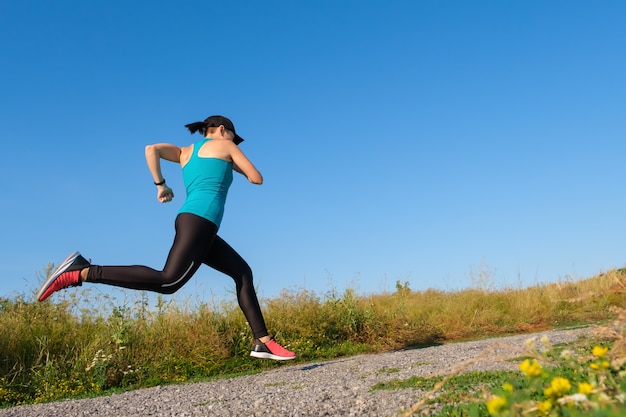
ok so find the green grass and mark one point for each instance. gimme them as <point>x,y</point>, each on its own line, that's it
<point>470,380</point>
<point>69,348</point>
<point>598,362</point>
<point>456,393</point>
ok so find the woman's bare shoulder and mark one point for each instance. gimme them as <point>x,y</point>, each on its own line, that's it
<point>185,154</point>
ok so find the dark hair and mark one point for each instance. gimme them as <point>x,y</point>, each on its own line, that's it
<point>214,121</point>
<point>196,126</point>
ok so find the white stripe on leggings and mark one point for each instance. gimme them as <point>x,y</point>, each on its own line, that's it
<point>179,279</point>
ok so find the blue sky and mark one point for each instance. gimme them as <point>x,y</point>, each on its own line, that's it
<point>429,142</point>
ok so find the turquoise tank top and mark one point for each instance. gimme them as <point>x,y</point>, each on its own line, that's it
<point>206,181</point>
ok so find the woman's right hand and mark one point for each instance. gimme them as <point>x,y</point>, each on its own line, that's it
<point>164,193</point>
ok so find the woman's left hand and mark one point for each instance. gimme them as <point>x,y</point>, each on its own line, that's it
<point>165,194</point>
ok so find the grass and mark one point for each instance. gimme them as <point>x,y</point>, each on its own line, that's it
<point>577,382</point>
<point>66,348</point>
<point>581,378</point>
<point>462,388</point>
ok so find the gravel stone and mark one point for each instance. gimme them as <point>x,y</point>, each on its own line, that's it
<point>341,387</point>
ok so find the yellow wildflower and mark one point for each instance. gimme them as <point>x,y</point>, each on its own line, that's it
<point>495,405</point>
<point>599,351</point>
<point>544,406</point>
<point>530,368</point>
<point>559,386</point>
<point>508,387</point>
<point>585,388</point>
<point>596,366</point>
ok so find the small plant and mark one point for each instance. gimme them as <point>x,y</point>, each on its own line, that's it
<point>403,287</point>
<point>386,370</point>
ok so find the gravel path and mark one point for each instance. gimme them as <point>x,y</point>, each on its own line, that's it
<point>340,387</point>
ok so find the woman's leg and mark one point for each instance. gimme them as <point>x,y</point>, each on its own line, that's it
<point>225,259</point>
<point>194,236</point>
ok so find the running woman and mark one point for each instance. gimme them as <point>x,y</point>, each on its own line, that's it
<point>207,167</point>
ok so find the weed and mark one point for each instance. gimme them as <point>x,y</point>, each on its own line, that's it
<point>276,384</point>
<point>388,370</point>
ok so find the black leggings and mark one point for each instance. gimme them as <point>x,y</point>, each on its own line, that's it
<point>196,242</point>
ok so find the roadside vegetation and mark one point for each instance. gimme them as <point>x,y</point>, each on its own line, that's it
<point>64,348</point>
<point>581,378</point>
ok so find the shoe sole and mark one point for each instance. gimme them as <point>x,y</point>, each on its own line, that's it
<point>264,355</point>
<point>60,269</point>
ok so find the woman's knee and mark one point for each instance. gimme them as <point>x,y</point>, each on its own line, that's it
<point>168,290</point>
<point>243,276</point>
<point>172,281</point>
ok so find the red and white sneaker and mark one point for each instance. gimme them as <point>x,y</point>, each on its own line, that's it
<point>271,350</point>
<point>66,275</point>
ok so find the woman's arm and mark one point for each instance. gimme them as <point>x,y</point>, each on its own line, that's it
<point>154,154</point>
<point>237,169</point>
<point>158,151</point>
<point>242,165</point>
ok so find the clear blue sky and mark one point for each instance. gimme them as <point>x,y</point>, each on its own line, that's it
<point>431,142</point>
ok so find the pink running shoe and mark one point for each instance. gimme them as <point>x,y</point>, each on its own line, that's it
<point>271,350</point>
<point>66,275</point>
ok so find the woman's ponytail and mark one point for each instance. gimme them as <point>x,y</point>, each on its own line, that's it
<point>197,126</point>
